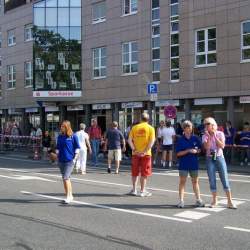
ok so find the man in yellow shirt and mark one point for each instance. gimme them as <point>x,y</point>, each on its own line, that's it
<point>141,139</point>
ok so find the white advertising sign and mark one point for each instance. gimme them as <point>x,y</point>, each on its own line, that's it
<point>31,110</point>
<point>208,101</point>
<point>74,107</point>
<point>130,105</point>
<point>101,106</point>
<point>51,109</point>
<point>67,93</point>
<point>163,103</point>
<point>245,99</point>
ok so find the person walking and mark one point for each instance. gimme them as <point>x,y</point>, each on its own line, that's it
<point>168,137</point>
<point>230,133</point>
<point>188,147</point>
<point>114,142</point>
<point>83,139</point>
<point>46,142</point>
<point>67,150</point>
<point>214,143</point>
<point>95,135</point>
<point>158,141</point>
<point>141,139</point>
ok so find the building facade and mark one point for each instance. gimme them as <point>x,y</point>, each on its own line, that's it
<point>81,59</point>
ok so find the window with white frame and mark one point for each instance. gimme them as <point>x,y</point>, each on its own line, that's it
<point>245,41</point>
<point>99,62</point>
<point>130,7</point>
<point>11,37</point>
<point>129,57</point>
<point>11,70</point>
<point>99,12</point>
<point>205,49</point>
<point>28,33</point>
<point>28,69</point>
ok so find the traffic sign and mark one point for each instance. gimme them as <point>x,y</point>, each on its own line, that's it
<point>152,88</point>
<point>170,111</point>
<point>153,97</point>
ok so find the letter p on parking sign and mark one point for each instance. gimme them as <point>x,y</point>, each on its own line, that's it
<point>152,88</point>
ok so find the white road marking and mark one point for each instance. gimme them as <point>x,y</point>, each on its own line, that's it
<point>126,185</point>
<point>238,229</point>
<point>192,215</point>
<point>236,202</point>
<point>25,178</point>
<point>209,209</point>
<point>111,208</point>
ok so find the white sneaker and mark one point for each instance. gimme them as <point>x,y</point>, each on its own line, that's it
<point>199,203</point>
<point>68,200</point>
<point>241,163</point>
<point>145,194</point>
<point>154,162</point>
<point>133,192</point>
<point>180,204</point>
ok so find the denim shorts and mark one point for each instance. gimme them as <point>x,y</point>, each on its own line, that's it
<point>66,169</point>
<point>192,173</point>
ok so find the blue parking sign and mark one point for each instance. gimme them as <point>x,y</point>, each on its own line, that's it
<point>152,88</point>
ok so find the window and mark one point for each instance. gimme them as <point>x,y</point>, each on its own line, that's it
<point>11,37</point>
<point>28,33</point>
<point>12,4</point>
<point>129,58</point>
<point>99,63</point>
<point>11,69</point>
<point>99,12</point>
<point>174,41</point>
<point>0,40</point>
<point>245,41</point>
<point>129,7</point>
<point>28,74</point>
<point>206,47</point>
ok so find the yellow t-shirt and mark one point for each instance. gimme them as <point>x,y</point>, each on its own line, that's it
<point>142,134</point>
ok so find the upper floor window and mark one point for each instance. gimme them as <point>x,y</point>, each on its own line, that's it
<point>11,37</point>
<point>245,41</point>
<point>129,58</point>
<point>28,74</point>
<point>130,7</point>
<point>99,12</point>
<point>99,63</point>
<point>205,49</point>
<point>11,70</point>
<point>28,33</point>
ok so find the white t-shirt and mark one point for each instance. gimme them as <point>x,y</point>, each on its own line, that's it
<point>82,136</point>
<point>159,132</point>
<point>167,135</point>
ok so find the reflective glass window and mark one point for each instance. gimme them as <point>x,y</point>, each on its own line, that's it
<point>64,32</point>
<point>75,33</point>
<point>75,17</point>
<point>63,16</point>
<point>75,3</point>
<point>51,16</point>
<point>51,3</point>
<point>63,3</point>
<point>39,16</point>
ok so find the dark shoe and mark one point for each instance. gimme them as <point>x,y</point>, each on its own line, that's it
<point>109,170</point>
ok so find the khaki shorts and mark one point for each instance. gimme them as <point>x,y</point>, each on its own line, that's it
<point>115,153</point>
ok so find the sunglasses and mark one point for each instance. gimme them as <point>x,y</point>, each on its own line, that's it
<point>207,124</point>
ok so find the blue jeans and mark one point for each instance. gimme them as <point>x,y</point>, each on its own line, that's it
<point>95,146</point>
<point>220,165</point>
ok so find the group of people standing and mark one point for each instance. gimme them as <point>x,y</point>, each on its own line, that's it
<point>141,140</point>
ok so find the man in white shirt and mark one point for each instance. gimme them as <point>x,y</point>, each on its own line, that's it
<point>83,139</point>
<point>168,137</point>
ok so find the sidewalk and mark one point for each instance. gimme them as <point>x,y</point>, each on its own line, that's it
<point>235,168</point>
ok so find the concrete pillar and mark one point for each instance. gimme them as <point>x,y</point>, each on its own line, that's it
<point>115,112</point>
<point>87,117</point>
<point>62,113</point>
<point>187,108</point>
<point>150,111</point>
<point>230,109</point>
<point>42,117</point>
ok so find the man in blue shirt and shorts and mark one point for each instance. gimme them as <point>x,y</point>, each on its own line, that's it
<point>188,147</point>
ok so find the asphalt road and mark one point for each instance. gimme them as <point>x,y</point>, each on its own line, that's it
<point>103,216</point>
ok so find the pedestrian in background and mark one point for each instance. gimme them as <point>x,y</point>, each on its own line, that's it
<point>46,142</point>
<point>168,138</point>
<point>95,135</point>
<point>141,139</point>
<point>230,133</point>
<point>115,144</point>
<point>158,142</point>
<point>84,143</point>
<point>244,142</point>
<point>188,147</point>
<point>214,143</point>
<point>67,150</point>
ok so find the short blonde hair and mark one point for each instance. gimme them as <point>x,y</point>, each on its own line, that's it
<point>212,121</point>
<point>187,123</point>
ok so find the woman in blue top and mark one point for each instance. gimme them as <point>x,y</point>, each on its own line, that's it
<point>187,149</point>
<point>67,151</point>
